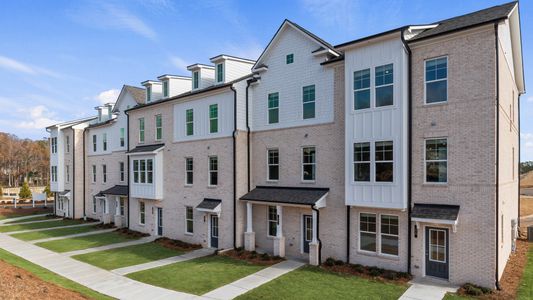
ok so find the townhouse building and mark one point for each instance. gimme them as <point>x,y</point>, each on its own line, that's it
<point>397,150</point>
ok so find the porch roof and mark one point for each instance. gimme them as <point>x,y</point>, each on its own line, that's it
<point>443,212</point>
<point>65,193</point>
<point>286,195</point>
<point>210,205</point>
<point>118,190</point>
<point>146,148</point>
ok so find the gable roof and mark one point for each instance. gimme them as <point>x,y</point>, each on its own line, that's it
<point>287,23</point>
<point>138,94</point>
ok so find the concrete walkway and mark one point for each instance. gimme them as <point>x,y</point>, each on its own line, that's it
<point>31,222</point>
<point>428,289</point>
<point>253,281</point>
<point>21,218</point>
<point>102,281</point>
<point>111,246</point>
<point>72,235</point>
<point>163,262</point>
<point>52,228</point>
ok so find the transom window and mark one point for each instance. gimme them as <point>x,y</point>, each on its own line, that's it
<point>213,118</point>
<point>273,164</point>
<point>143,171</point>
<point>361,164</point>
<point>189,169</point>
<point>195,80</point>
<point>289,59</point>
<point>141,213</point>
<point>189,121</point>
<point>436,80</point>
<point>189,219</point>
<point>213,170</point>
<point>141,130</point>
<point>165,88</point>
<point>361,86</point>
<point>309,101</point>
<point>384,85</point>
<point>158,127</point>
<point>309,163</point>
<point>367,232</point>
<point>436,158</point>
<point>389,234</point>
<point>384,161</point>
<point>220,72</point>
<point>272,221</point>
<point>273,108</point>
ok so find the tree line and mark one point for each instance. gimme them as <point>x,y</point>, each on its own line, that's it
<point>23,160</point>
<point>526,167</point>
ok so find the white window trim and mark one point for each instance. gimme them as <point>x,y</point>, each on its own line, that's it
<point>104,173</point>
<point>392,235</point>
<point>67,142</point>
<point>362,162</point>
<point>209,171</point>
<point>148,94</point>
<point>156,127</point>
<point>370,87</point>
<point>383,85</point>
<point>67,173</point>
<point>186,220</point>
<point>189,122</point>
<point>302,164</point>
<point>268,164</point>
<point>94,205</point>
<point>426,161</point>
<point>93,178</point>
<point>197,81</point>
<point>95,143</point>
<point>269,221</point>
<point>142,213</point>
<point>210,119</point>
<point>164,84</point>
<point>384,161</point>
<point>186,171</point>
<point>220,80</point>
<point>122,138</point>
<point>442,79</point>
<point>359,233</point>
<point>139,182</point>
<point>303,103</point>
<point>271,108</point>
<point>378,235</point>
<point>104,142</point>
<point>121,172</point>
<point>142,130</point>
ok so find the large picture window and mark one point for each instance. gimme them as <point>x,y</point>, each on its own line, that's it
<point>361,87</point>
<point>436,80</point>
<point>436,158</point>
<point>384,161</point>
<point>384,85</point>
<point>143,170</point>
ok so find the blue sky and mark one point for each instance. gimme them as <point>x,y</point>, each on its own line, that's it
<point>59,59</point>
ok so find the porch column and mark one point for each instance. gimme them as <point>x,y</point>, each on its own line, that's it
<point>314,245</point>
<point>315,219</point>
<point>249,235</point>
<point>279,240</point>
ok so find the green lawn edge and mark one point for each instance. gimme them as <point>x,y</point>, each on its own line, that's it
<point>525,290</point>
<point>50,276</point>
<point>85,242</point>
<point>58,232</point>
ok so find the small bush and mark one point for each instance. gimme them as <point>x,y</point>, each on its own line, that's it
<point>475,290</point>
<point>25,192</point>
<point>330,262</point>
<point>252,255</point>
<point>375,271</point>
<point>339,262</point>
<point>404,275</point>
<point>391,275</point>
<point>359,268</point>
<point>265,256</point>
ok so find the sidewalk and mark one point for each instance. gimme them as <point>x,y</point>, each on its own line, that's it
<point>427,289</point>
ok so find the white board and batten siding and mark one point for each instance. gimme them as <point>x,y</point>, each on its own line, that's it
<point>387,123</point>
<point>57,159</point>
<point>152,190</point>
<point>288,80</point>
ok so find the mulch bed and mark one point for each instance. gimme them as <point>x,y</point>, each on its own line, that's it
<point>17,283</point>
<point>252,257</point>
<point>105,226</point>
<point>372,273</point>
<point>24,211</point>
<point>176,244</point>
<point>131,233</point>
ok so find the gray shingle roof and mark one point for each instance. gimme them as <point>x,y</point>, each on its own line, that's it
<point>487,15</point>
<point>208,203</point>
<point>146,148</point>
<point>435,211</point>
<point>119,190</point>
<point>138,94</point>
<point>289,195</point>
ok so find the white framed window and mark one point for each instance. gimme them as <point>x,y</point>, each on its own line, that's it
<point>122,202</point>
<point>189,122</point>
<point>308,100</point>
<point>436,80</point>
<point>437,245</point>
<point>141,130</point>
<point>94,173</point>
<point>104,142</point>
<point>53,145</point>
<point>436,160</point>
<point>220,72</point>
<point>308,164</point>
<point>273,165</point>
<point>104,173</point>
<point>149,171</point>
<point>94,205</point>
<point>384,81</point>
<point>165,88</point>
<point>67,172</point>
<point>142,213</point>
<point>122,171</point>
<point>189,220</point>
<point>367,232</point>
<point>384,164</point>
<point>136,171</point>
<point>213,170</point>
<point>195,80</point>
<point>272,221</point>
<point>94,143</point>
<point>361,162</point>
<point>67,138</point>
<point>148,93</point>
<point>189,170</point>
<point>143,170</point>
<point>53,173</point>
<point>158,127</point>
<point>361,89</point>
<point>122,137</point>
<point>213,118</point>
<point>389,230</point>
<point>273,108</point>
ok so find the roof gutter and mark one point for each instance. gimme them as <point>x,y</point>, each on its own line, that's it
<point>128,167</point>
<point>248,132</point>
<point>497,212</point>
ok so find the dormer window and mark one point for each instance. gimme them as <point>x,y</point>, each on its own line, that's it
<point>165,88</point>
<point>220,72</point>
<point>148,93</point>
<point>195,79</point>
<point>290,58</point>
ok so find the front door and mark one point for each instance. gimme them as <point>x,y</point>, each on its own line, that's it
<point>437,258</point>
<point>307,231</point>
<point>214,231</point>
<point>159,221</point>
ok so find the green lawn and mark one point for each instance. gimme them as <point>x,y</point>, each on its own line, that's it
<point>525,290</point>
<point>314,283</point>
<point>37,235</point>
<point>9,215</point>
<point>127,256</point>
<point>84,242</point>
<point>197,276</point>
<point>41,225</point>
<point>453,296</point>
<point>49,276</point>
<point>30,220</point>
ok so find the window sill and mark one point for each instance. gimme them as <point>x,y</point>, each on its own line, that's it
<point>187,185</point>
<point>435,184</point>
<point>308,181</point>
<point>435,103</point>
<point>378,255</point>
<point>212,186</point>
<point>272,181</point>
<point>189,233</point>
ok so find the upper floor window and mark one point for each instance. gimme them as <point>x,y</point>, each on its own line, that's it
<point>189,121</point>
<point>121,170</point>
<point>195,80</point>
<point>273,108</point>
<point>213,170</point>
<point>273,164</point>
<point>143,170</point>
<point>158,127</point>
<point>289,59</point>
<point>68,143</point>
<point>148,93</point>
<point>94,173</point>
<point>361,87</point>
<point>220,72</point>
<point>104,173</point>
<point>141,130</point>
<point>308,163</point>
<point>361,163</point>
<point>53,171</point>
<point>104,142</point>
<point>436,160</point>
<point>67,171</point>
<point>213,118</point>
<point>384,161</point>
<point>189,170</point>
<point>165,88</point>
<point>436,80</point>
<point>122,137</point>
<point>94,143</point>
<point>309,101</point>
<point>53,145</point>
<point>384,85</point>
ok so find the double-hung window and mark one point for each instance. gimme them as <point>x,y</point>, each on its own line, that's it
<point>384,161</point>
<point>220,72</point>
<point>122,137</point>
<point>436,80</point>
<point>104,142</point>
<point>121,169</point>
<point>361,87</point>
<point>272,221</point>
<point>53,171</point>
<point>141,130</point>
<point>68,143</point>
<point>94,173</point>
<point>189,121</point>
<point>308,93</point>
<point>136,171</point>
<point>361,163</point>
<point>143,170</point>
<point>367,232</point>
<point>213,118</point>
<point>149,171</point>
<point>389,235</point>
<point>121,203</point>
<point>158,127</point>
<point>148,94</point>
<point>308,163</point>
<point>67,171</point>
<point>53,145</point>
<point>436,160</point>
<point>189,220</point>
<point>384,85</point>
<point>273,164</point>
<point>165,88</point>
<point>189,170</point>
<point>195,80</point>
<point>94,205</point>
<point>273,108</point>
<point>213,170</point>
<point>94,143</point>
<point>141,213</point>
<point>104,173</point>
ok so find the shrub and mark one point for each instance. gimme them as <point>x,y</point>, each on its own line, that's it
<point>330,262</point>
<point>339,262</point>
<point>475,290</point>
<point>391,275</point>
<point>25,192</point>
<point>253,255</point>
<point>375,271</point>
<point>265,256</point>
<point>404,275</point>
<point>359,268</point>
<point>48,192</point>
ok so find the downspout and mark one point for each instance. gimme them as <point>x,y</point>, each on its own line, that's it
<point>348,209</point>
<point>248,83</point>
<point>128,167</point>
<point>318,234</point>
<point>409,147</point>
<point>84,170</point>
<point>496,40</point>
<point>234,166</point>
<point>73,173</point>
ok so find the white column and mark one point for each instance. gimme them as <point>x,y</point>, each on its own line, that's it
<point>279,210</point>
<point>315,239</point>
<point>249,217</point>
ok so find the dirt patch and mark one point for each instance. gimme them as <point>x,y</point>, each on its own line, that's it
<point>17,283</point>
<point>526,180</point>
<point>526,206</point>
<point>373,273</point>
<point>253,257</point>
<point>19,212</point>
<point>131,233</point>
<point>177,245</point>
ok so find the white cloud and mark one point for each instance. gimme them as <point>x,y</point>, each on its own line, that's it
<point>37,117</point>
<point>109,96</point>
<point>179,63</point>
<point>20,67</point>
<point>530,99</point>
